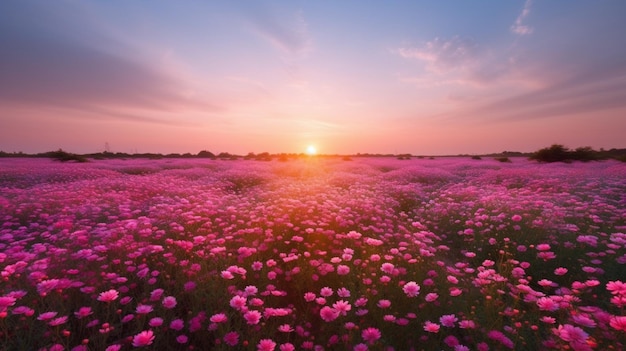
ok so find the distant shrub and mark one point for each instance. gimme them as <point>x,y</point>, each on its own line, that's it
<point>347,158</point>
<point>503,159</point>
<point>621,158</point>
<point>476,157</point>
<point>559,153</point>
<point>206,154</point>
<point>585,154</point>
<point>64,156</point>
<point>554,153</point>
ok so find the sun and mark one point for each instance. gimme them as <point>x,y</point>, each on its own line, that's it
<point>311,150</point>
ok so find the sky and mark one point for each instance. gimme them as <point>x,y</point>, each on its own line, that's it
<point>405,76</point>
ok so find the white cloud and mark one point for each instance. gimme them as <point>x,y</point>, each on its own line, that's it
<point>519,27</point>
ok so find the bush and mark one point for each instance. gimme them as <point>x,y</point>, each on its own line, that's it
<point>503,159</point>
<point>64,156</point>
<point>554,153</point>
<point>476,158</point>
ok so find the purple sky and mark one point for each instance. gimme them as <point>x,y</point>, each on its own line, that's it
<point>421,77</point>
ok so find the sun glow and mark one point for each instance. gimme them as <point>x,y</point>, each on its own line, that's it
<point>311,150</point>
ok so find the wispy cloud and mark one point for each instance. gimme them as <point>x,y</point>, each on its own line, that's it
<point>286,31</point>
<point>519,27</point>
<point>443,55</point>
<point>44,66</point>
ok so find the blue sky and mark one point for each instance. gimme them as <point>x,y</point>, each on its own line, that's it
<point>422,77</point>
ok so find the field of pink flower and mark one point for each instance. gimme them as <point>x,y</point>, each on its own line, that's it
<point>315,254</point>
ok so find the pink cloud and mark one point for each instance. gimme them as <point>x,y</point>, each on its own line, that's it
<point>442,56</point>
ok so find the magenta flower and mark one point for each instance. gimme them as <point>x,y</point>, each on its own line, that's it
<point>143,309</point>
<point>6,301</point>
<point>431,327</point>
<point>285,328</point>
<point>266,345</point>
<point>83,312</point>
<point>326,292</point>
<point>287,347</point>
<point>238,302</point>
<point>411,289</point>
<point>169,302</point>
<point>328,314</point>
<point>342,307</point>
<point>383,303</point>
<point>618,323</point>
<point>144,338</point>
<point>448,320</point>
<point>571,334</point>
<point>231,338</point>
<point>218,318</point>
<point>58,321</point>
<point>155,322</point>
<point>371,335</point>
<point>252,317</point>
<point>108,296</point>
<point>47,315</point>
<point>177,324</point>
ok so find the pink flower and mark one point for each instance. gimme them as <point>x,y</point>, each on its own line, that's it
<point>343,292</point>
<point>144,338</point>
<point>251,290</point>
<point>571,334</point>
<point>231,338</point>
<point>83,312</point>
<point>58,321</point>
<point>266,345</point>
<point>516,218</point>
<point>6,301</point>
<point>108,296</point>
<point>285,328</point>
<point>360,347</point>
<point>177,324</point>
<point>342,307</point>
<point>547,304</point>
<point>431,327</point>
<point>169,302</point>
<point>143,309</point>
<point>252,317</point>
<point>387,267</point>
<point>182,339</point>
<point>155,322</point>
<point>455,292</point>
<point>328,314</point>
<point>452,279</point>
<point>287,347</point>
<point>218,318</point>
<point>411,289</point>
<point>238,302</point>
<point>500,337</point>
<point>430,297</point>
<point>326,292</point>
<point>383,303</point>
<point>616,287</point>
<point>156,294</point>
<point>370,335</point>
<point>448,320</point>
<point>47,315</point>
<point>114,347</point>
<point>342,269</point>
<point>618,323</point>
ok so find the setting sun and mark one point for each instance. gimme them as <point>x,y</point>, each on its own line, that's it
<point>311,150</point>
